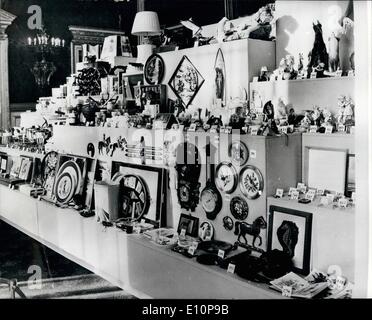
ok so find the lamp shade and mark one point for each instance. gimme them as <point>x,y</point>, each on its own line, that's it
<point>146,23</point>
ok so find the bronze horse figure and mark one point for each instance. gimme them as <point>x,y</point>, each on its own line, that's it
<point>254,229</point>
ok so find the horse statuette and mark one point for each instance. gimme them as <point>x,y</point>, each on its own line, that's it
<point>254,229</point>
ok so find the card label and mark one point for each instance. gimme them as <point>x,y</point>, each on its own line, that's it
<point>330,197</point>
<point>295,195</point>
<point>231,268</point>
<point>183,233</point>
<point>328,130</point>
<point>191,250</point>
<point>341,128</point>
<point>320,192</point>
<point>253,154</point>
<point>291,190</point>
<point>342,203</point>
<point>287,291</point>
<point>254,131</point>
<point>221,254</point>
<point>279,193</point>
<point>313,129</point>
<point>310,195</point>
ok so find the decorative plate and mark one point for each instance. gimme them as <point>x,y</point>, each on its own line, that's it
<point>251,182</point>
<point>135,198</point>
<point>239,208</point>
<point>228,223</point>
<point>238,153</point>
<point>186,81</point>
<point>154,69</point>
<point>226,177</point>
<point>64,188</point>
<point>206,231</point>
<point>72,168</point>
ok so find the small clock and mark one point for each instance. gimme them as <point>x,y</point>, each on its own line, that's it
<point>238,153</point>
<point>239,208</point>
<point>251,182</point>
<point>226,177</point>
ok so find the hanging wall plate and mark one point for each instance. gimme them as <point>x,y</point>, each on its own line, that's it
<point>239,208</point>
<point>251,182</point>
<point>228,223</point>
<point>238,153</point>
<point>226,177</point>
<point>206,231</point>
<point>154,69</point>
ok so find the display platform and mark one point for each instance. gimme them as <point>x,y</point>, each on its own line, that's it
<point>128,261</point>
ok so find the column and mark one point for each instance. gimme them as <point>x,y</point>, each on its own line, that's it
<point>6,20</point>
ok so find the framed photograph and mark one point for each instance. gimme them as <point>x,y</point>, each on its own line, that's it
<point>25,169</point>
<point>190,224</point>
<point>16,167</point>
<point>154,69</point>
<point>350,178</point>
<point>186,81</point>
<point>142,191</point>
<point>290,231</point>
<point>3,163</point>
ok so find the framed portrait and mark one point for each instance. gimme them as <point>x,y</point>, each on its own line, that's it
<point>186,81</point>
<point>190,224</point>
<point>142,192</point>
<point>290,231</point>
<point>154,69</point>
<point>350,178</point>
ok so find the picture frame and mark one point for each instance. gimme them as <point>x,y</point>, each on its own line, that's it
<point>186,81</point>
<point>190,224</point>
<point>25,168</point>
<point>16,166</point>
<point>350,176</point>
<point>154,180</point>
<point>291,224</point>
<point>3,163</point>
<point>154,69</point>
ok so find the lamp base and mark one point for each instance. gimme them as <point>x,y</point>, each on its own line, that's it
<point>144,52</point>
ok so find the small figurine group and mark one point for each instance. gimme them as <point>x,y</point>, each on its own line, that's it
<point>345,114</point>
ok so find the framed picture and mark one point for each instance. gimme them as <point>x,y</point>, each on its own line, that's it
<point>190,224</point>
<point>154,69</point>
<point>16,167</point>
<point>3,163</point>
<point>350,178</point>
<point>290,231</point>
<point>25,169</point>
<point>326,169</point>
<point>142,191</point>
<point>186,81</point>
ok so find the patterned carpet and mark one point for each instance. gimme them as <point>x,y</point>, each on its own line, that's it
<point>61,278</point>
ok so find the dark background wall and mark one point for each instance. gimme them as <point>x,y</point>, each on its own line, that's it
<point>59,14</point>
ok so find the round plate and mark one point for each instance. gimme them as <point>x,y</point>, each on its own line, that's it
<point>239,208</point>
<point>71,166</point>
<point>228,223</point>
<point>251,182</point>
<point>209,200</point>
<point>239,153</point>
<point>64,188</point>
<point>134,196</point>
<point>154,69</point>
<point>206,231</point>
<point>226,177</point>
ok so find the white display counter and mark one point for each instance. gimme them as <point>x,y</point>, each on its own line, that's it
<point>128,261</point>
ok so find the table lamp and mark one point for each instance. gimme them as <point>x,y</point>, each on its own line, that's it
<point>146,24</point>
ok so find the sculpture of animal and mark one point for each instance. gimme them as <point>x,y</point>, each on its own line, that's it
<point>334,58</point>
<point>104,144</point>
<point>254,229</point>
<point>288,237</point>
<point>318,55</point>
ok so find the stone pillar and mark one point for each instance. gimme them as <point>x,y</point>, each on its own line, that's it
<point>6,20</point>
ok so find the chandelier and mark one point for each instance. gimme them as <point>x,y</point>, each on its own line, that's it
<point>44,46</point>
